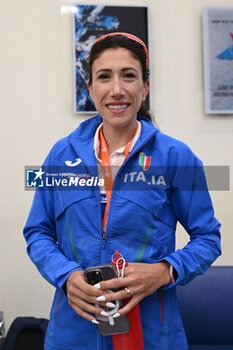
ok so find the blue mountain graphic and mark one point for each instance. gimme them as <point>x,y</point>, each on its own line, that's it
<point>227,54</point>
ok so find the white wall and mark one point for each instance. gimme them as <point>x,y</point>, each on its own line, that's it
<point>37,109</point>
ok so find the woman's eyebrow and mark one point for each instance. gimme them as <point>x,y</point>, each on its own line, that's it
<point>107,70</point>
<point>129,68</point>
<point>103,70</point>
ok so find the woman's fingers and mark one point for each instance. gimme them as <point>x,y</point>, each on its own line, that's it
<point>142,277</point>
<point>80,311</point>
<point>140,280</point>
<point>82,296</point>
<point>76,282</point>
<point>129,306</point>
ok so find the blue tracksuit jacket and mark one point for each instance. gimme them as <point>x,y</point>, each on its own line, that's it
<point>160,183</point>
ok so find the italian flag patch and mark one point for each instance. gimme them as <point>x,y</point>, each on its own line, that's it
<point>144,161</point>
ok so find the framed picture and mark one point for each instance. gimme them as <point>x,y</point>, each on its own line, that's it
<point>91,22</point>
<point>218,59</point>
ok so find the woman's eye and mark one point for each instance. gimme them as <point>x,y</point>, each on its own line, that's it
<point>129,75</point>
<point>103,76</point>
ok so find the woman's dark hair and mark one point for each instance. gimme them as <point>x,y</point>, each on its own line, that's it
<point>138,51</point>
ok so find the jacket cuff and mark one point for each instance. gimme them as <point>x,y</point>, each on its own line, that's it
<point>174,274</point>
<point>62,282</point>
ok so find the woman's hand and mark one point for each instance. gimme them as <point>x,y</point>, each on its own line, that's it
<point>82,296</point>
<point>140,279</point>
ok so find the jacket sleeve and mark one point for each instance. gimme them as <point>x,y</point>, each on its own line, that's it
<point>192,205</point>
<point>41,238</point>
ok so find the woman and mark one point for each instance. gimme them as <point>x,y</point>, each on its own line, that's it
<point>158,180</point>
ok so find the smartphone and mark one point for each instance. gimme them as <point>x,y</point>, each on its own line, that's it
<point>108,325</point>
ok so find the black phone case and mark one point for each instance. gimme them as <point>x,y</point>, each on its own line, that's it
<point>121,324</point>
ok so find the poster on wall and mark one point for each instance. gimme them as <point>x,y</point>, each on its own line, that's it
<point>91,22</point>
<point>218,59</point>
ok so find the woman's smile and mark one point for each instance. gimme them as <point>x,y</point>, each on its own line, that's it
<point>117,108</point>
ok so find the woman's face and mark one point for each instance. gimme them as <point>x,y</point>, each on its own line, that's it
<point>117,87</point>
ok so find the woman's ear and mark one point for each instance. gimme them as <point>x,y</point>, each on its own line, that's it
<point>146,89</point>
<point>90,91</point>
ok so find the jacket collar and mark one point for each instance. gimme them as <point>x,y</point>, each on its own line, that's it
<point>82,139</point>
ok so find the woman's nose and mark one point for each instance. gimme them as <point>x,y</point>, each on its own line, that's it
<point>117,88</point>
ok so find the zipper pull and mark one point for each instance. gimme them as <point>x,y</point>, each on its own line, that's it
<point>103,239</point>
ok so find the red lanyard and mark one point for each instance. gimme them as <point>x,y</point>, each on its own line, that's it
<point>106,165</point>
